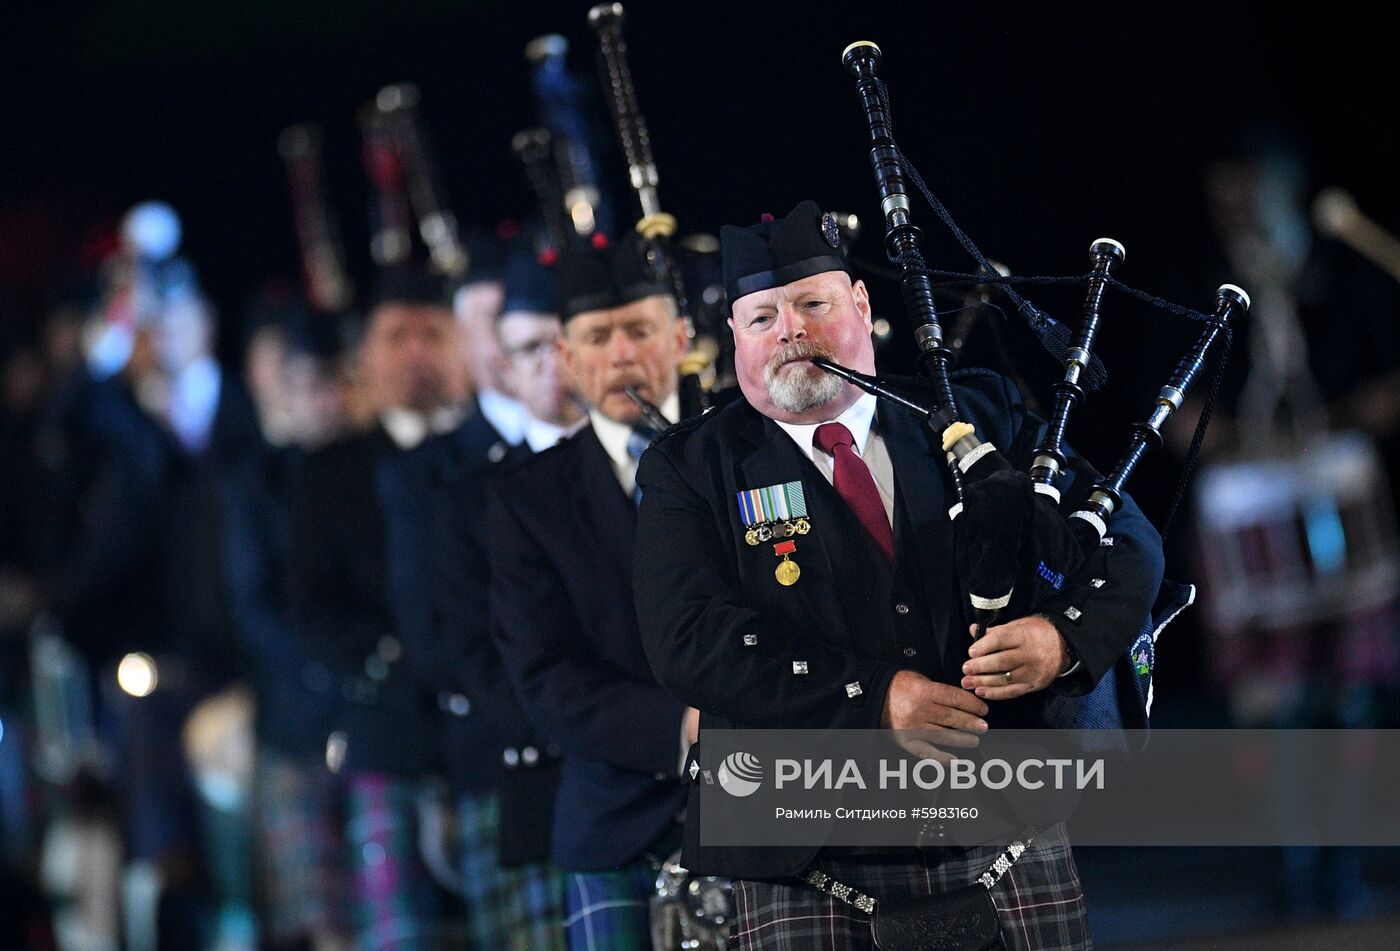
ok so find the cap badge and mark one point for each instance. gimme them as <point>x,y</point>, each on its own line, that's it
<point>830,232</point>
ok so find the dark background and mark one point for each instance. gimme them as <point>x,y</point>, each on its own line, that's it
<point>1042,126</point>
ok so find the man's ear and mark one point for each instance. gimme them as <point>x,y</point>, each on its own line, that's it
<point>683,337</point>
<point>862,299</point>
<point>566,353</point>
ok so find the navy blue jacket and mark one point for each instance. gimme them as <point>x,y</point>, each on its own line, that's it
<point>561,532</point>
<point>297,699</point>
<point>434,505</point>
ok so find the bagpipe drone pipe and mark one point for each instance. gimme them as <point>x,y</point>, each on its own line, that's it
<point>1012,528</point>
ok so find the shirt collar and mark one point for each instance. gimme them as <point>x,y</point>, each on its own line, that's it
<point>614,435</point>
<point>540,435</point>
<point>859,418</point>
<point>505,414</point>
<point>408,428</point>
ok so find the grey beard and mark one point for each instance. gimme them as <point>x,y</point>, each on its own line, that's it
<point>802,389</point>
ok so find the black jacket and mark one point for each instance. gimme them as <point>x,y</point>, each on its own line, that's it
<point>340,604</point>
<point>440,571</point>
<point>297,699</point>
<point>561,533</point>
<point>701,588</point>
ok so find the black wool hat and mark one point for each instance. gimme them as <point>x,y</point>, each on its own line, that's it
<point>487,253</point>
<point>601,278</point>
<point>530,284</point>
<point>777,252</point>
<point>407,284</point>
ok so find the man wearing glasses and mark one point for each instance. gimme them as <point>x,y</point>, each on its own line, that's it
<point>501,774</point>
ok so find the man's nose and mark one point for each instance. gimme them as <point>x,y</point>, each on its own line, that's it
<point>791,326</point>
<point>621,349</point>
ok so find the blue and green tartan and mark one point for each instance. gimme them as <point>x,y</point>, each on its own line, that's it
<point>610,911</point>
<point>396,903</point>
<point>518,909</point>
<point>301,849</point>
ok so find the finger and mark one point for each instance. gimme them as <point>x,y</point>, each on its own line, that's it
<point>955,719</point>
<point>996,639</point>
<point>954,739</point>
<point>949,696</point>
<point>924,750</point>
<point>1007,692</point>
<point>1019,673</point>
<point>1008,659</point>
<point>939,736</point>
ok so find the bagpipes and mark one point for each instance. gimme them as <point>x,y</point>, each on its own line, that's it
<point>566,116</point>
<point>687,911</point>
<point>705,366</point>
<point>399,159</point>
<point>328,285</point>
<point>1010,527</point>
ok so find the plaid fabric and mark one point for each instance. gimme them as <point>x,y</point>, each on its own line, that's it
<point>520,909</point>
<point>1039,900</point>
<point>396,904</point>
<point>610,911</point>
<point>301,852</point>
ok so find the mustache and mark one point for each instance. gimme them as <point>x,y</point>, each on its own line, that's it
<point>800,350</point>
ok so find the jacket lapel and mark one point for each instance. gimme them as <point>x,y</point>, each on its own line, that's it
<point>607,510</point>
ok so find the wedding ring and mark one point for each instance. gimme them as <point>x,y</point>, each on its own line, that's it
<point>1006,676</point>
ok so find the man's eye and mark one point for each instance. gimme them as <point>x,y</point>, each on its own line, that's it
<point>760,319</point>
<point>815,304</point>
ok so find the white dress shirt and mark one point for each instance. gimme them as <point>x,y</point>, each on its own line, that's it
<point>408,428</point>
<point>614,436</point>
<point>859,418</point>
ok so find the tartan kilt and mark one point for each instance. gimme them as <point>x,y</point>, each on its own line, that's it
<point>610,911</point>
<point>508,909</point>
<point>396,903</point>
<point>300,846</point>
<point>1039,900</point>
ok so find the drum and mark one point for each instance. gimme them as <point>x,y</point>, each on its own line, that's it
<point>1299,539</point>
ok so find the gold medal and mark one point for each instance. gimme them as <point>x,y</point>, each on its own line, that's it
<point>787,572</point>
<point>802,526</point>
<point>751,536</point>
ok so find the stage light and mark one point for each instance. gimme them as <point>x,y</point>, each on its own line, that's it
<point>136,674</point>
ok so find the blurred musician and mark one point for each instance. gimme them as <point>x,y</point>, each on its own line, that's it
<point>561,527</point>
<point>300,847</point>
<point>1295,511</point>
<point>341,604</point>
<point>131,462</point>
<point>498,769</point>
<point>477,304</point>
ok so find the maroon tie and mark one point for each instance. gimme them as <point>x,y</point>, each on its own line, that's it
<point>855,483</point>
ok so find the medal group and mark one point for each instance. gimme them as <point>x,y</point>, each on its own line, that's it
<point>776,512</point>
